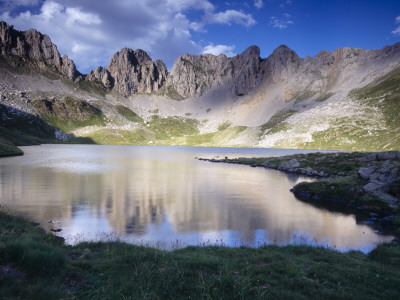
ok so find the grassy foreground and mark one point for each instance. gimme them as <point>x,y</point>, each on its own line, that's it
<point>37,265</point>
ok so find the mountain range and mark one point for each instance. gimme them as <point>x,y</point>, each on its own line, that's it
<point>348,99</point>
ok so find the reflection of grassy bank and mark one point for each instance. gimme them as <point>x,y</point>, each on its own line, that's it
<point>36,265</point>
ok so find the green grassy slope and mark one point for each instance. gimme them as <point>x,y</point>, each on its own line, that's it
<point>373,125</point>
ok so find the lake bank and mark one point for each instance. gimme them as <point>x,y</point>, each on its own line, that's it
<point>367,182</point>
<point>7,150</point>
<point>36,265</point>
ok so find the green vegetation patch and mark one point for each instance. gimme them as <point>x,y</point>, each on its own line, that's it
<point>343,188</point>
<point>108,136</point>
<point>9,150</point>
<point>324,97</point>
<point>20,128</point>
<point>69,114</point>
<point>389,83</point>
<point>276,119</point>
<point>129,114</point>
<point>224,125</point>
<point>117,270</point>
<point>166,128</point>
<point>219,138</point>
<point>307,94</point>
<point>93,87</point>
<point>171,93</point>
<point>333,164</point>
<point>384,94</point>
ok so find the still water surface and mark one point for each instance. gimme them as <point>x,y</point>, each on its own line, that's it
<point>164,197</point>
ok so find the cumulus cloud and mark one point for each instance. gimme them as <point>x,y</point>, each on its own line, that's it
<point>230,16</point>
<point>258,4</point>
<point>281,23</point>
<point>397,30</point>
<point>91,31</point>
<point>219,49</point>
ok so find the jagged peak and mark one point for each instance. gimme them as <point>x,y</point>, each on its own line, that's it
<point>34,45</point>
<point>134,57</point>
<point>284,51</point>
<point>323,53</point>
<point>142,56</point>
<point>252,50</point>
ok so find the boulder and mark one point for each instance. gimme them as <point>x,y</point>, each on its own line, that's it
<point>370,157</point>
<point>365,173</point>
<point>292,164</point>
<point>387,155</point>
<point>372,186</point>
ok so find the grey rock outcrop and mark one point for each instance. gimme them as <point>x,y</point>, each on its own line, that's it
<point>132,72</point>
<point>294,163</point>
<point>102,75</point>
<point>33,45</point>
<point>365,173</point>
<point>193,75</point>
<point>381,178</point>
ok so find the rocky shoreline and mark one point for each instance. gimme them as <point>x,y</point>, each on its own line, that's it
<point>367,182</point>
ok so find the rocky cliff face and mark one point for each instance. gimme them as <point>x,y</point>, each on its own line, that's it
<point>193,75</point>
<point>131,72</point>
<point>33,45</point>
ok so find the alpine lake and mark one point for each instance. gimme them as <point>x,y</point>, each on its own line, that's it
<point>166,198</point>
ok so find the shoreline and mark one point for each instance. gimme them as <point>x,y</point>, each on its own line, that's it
<point>367,182</point>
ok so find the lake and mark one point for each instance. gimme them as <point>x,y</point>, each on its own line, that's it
<point>164,197</point>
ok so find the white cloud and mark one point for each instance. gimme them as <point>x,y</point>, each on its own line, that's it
<point>91,31</point>
<point>397,30</point>
<point>219,49</point>
<point>258,4</point>
<point>231,16</point>
<point>75,15</point>
<point>282,23</point>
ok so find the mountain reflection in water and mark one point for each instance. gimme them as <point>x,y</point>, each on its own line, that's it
<point>162,196</point>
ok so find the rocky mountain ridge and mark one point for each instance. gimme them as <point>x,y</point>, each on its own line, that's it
<point>348,99</point>
<point>133,71</point>
<point>33,45</point>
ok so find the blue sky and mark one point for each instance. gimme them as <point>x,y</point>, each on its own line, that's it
<point>91,31</point>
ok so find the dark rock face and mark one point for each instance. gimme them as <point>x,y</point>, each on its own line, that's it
<point>193,75</point>
<point>31,44</point>
<point>280,64</point>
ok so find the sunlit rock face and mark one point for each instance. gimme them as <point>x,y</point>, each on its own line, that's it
<point>134,72</point>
